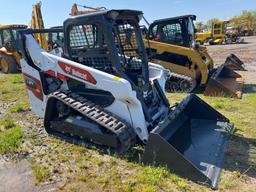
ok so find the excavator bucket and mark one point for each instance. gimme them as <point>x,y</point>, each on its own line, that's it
<point>191,142</point>
<point>224,82</point>
<point>234,63</point>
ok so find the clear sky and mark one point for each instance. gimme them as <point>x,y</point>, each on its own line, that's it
<point>56,11</point>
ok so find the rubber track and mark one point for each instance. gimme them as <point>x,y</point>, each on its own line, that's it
<point>178,77</point>
<point>124,133</point>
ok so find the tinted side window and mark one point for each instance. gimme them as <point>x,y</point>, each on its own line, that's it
<point>153,32</point>
<point>217,26</point>
<point>15,34</point>
<point>172,33</point>
<point>217,29</point>
<point>7,37</point>
<point>171,30</point>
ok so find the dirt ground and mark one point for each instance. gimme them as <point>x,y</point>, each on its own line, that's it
<point>43,163</point>
<point>245,51</point>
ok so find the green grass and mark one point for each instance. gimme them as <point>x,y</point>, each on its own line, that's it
<point>41,173</point>
<point>83,177</point>
<point>19,107</point>
<point>178,181</point>
<point>16,79</point>
<point>98,162</point>
<point>10,140</point>
<point>97,171</point>
<point>4,91</point>
<point>6,123</point>
<point>12,88</point>
<point>152,176</point>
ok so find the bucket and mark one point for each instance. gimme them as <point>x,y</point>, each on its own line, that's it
<point>224,82</point>
<point>191,142</point>
<point>234,63</point>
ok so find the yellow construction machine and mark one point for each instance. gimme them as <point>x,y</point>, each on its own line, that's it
<point>171,43</point>
<point>9,55</point>
<point>219,34</point>
<point>9,50</point>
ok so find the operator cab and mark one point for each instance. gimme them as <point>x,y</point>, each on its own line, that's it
<point>109,41</point>
<point>9,36</point>
<point>176,30</point>
<point>220,27</point>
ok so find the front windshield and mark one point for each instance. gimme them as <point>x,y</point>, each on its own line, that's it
<point>191,31</point>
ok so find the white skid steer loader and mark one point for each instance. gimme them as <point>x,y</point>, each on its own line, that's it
<point>101,88</point>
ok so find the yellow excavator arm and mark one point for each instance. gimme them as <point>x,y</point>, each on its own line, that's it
<point>38,23</point>
<point>75,11</point>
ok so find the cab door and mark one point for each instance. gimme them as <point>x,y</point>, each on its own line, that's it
<point>8,40</point>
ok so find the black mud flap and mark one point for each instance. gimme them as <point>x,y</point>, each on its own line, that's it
<point>234,63</point>
<point>191,142</point>
<point>224,82</point>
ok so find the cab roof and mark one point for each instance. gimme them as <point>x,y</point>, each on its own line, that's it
<point>108,12</point>
<point>175,18</point>
<point>13,26</point>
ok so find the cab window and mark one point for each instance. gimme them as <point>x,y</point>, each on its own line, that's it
<point>191,28</point>
<point>153,32</point>
<point>217,29</point>
<point>84,36</point>
<point>15,34</point>
<point>171,33</point>
<point>7,36</point>
<point>87,46</point>
<point>191,32</point>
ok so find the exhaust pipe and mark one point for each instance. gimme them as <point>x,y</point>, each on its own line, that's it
<point>191,141</point>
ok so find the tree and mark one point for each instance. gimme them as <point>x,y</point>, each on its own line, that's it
<point>200,26</point>
<point>245,22</point>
